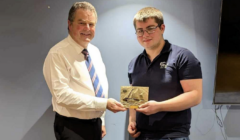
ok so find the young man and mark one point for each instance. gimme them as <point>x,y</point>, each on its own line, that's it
<point>173,76</point>
<point>76,77</point>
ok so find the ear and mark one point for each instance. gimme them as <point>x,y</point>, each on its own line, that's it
<point>69,24</point>
<point>162,28</point>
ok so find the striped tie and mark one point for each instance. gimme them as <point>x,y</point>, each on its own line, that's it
<point>95,80</point>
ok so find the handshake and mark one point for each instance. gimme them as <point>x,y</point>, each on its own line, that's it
<point>115,106</point>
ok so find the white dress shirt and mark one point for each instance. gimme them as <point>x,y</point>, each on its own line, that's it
<point>69,81</point>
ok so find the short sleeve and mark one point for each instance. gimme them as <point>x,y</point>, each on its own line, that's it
<point>188,66</point>
<point>131,69</point>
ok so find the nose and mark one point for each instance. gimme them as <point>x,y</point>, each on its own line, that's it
<point>87,27</point>
<point>145,33</point>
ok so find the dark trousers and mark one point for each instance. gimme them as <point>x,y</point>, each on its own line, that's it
<point>67,128</point>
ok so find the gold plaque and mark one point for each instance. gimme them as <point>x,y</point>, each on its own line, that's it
<point>133,96</point>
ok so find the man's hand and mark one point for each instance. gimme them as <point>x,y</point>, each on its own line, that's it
<point>149,108</point>
<point>103,131</point>
<point>133,130</point>
<point>114,106</point>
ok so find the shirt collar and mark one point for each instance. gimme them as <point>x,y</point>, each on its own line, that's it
<point>166,48</point>
<point>78,47</point>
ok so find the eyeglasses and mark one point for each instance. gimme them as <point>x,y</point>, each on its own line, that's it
<point>149,30</point>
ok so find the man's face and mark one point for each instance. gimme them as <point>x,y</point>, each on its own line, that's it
<point>82,29</point>
<point>153,40</point>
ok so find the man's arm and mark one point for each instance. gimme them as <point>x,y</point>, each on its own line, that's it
<point>192,96</point>
<point>58,78</point>
<point>132,124</point>
<point>103,125</point>
<point>132,115</point>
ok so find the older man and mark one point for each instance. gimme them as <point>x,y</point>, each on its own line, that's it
<point>76,76</point>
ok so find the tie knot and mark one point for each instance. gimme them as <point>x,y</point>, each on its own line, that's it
<point>85,53</point>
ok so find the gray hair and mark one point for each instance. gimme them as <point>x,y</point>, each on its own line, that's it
<point>80,5</point>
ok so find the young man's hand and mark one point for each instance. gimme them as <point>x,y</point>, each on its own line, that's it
<point>133,130</point>
<point>149,108</point>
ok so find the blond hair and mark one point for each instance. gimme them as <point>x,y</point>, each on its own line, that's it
<point>149,12</point>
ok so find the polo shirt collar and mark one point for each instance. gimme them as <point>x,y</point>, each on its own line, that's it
<point>166,48</point>
<point>78,47</point>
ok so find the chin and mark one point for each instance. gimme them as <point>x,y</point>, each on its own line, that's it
<point>147,46</point>
<point>86,39</point>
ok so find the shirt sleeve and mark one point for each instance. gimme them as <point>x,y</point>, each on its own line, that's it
<point>131,69</point>
<point>103,118</point>
<point>188,66</point>
<point>130,78</point>
<point>57,77</point>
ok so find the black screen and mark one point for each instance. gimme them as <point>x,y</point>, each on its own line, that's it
<point>227,81</point>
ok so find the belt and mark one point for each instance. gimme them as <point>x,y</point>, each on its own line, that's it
<point>76,119</point>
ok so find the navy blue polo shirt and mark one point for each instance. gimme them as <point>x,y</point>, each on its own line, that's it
<point>163,76</point>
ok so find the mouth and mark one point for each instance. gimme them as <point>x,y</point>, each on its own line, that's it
<point>147,40</point>
<point>86,34</point>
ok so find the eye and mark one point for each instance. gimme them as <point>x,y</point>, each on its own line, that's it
<point>139,31</point>
<point>91,24</point>
<point>82,23</point>
<point>150,29</point>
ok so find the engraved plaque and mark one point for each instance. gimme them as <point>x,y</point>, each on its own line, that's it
<point>133,96</point>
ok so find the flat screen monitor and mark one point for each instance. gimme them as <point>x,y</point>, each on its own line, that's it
<point>227,79</point>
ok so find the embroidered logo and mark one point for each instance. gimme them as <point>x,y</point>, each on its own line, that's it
<point>163,65</point>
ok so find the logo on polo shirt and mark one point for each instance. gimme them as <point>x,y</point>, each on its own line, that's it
<point>163,65</point>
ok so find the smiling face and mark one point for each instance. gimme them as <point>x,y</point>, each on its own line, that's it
<point>153,40</point>
<point>82,29</point>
